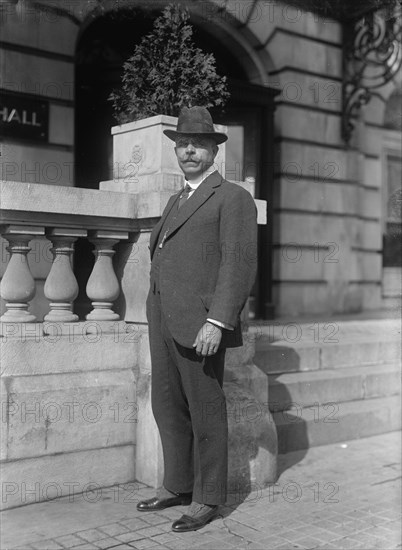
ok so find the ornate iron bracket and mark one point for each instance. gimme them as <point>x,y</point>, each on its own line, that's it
<point>372,57</point>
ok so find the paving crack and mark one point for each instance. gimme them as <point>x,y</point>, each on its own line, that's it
<point>386,481</point>
<point>243,539</point>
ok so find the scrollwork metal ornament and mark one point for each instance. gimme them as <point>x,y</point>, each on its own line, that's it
<point>372,57</point>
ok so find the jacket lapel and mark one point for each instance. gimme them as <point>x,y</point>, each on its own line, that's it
<point>201,195</point>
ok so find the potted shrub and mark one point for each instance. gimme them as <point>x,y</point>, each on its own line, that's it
<point>165,73</point>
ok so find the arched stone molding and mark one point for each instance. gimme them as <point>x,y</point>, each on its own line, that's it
<point>236,37</point>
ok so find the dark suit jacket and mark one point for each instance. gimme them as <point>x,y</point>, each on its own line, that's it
<point>209,259</point>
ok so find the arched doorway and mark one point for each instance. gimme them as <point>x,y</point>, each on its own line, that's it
<point>103,47</point>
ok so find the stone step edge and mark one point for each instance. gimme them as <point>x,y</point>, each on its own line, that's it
<point>355,326</point>
<point>309,415</point>
<point>265,345</point>
<point>298,387</point>
<point>341,368</point>
<point>304,376</point>
<point>354,421</point>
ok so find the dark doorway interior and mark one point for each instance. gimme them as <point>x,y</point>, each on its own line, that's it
<point>102,49</point>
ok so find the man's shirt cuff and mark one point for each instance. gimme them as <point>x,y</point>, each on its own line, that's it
<point>220,324</point>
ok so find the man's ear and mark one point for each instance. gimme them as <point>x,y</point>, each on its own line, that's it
<point>215,150</point>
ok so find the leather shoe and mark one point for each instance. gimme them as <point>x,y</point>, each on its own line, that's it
<point>193,523</point>
<point>156,503</point>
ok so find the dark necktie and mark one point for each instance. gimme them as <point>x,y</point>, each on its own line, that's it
<point>184,195</point>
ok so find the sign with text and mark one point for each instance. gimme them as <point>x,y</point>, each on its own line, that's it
<point>24,117</point>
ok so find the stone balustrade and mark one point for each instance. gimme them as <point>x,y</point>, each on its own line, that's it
<point>62,215</point>
<point>79,387</point>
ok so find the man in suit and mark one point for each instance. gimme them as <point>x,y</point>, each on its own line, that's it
<point>203,253</point>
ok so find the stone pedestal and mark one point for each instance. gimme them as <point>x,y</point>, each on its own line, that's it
<point>253,440</point>
<point>139,166</point>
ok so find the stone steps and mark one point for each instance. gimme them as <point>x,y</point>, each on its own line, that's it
<point>280,356</point>
<point>330,382</point>
<point>311,427</point>
<point>305,389</point>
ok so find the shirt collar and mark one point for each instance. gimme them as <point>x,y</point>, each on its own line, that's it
<point>196,185</point>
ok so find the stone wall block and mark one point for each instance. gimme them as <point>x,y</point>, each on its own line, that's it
<point>305,54</point>
<point>66,348</point>
<point>40,166</point>
<point>372,297</point>
<point>317,92</point>
<point>43,30</point>
<point>372,174</point>
<point>332,197</point>
<point>322,163</point>
<point>371,203</point>
<point>292,262</point>
<point>310,125</point>
<point>297,20</point>
<point>70,412</point>
<point>371,234</point>
<point>309,229</point>
<point>40,70</point>
<point>293,299</point>
<point>67,474</point>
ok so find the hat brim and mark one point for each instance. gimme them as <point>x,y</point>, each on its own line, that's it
<point>217,136</point>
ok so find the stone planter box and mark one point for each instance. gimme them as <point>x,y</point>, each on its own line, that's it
<point>144,158</point>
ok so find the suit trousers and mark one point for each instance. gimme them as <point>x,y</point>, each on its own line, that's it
<point>189,407</point>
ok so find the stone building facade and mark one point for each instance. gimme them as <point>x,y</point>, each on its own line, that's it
<point>328,200</point>
<point>75,389</point>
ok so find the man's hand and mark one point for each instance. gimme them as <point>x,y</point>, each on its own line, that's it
<point>208,339</point>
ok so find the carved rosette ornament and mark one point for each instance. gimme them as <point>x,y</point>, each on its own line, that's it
<point>137,154</point>
<point>372,57</point>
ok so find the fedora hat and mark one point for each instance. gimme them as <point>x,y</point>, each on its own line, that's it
<point>195,120</point>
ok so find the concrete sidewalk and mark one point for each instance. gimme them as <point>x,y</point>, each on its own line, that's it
<point>337,496</point>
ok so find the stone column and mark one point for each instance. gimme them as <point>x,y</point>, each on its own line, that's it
<point>18,285</point>
<point>103,287</point>
<point>61,286</point>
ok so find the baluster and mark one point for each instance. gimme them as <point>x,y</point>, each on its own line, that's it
<point>61,287</point>
<point>103,287</point>
<point>18,285</point>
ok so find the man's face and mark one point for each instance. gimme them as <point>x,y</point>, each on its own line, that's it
<point>195,154</point>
